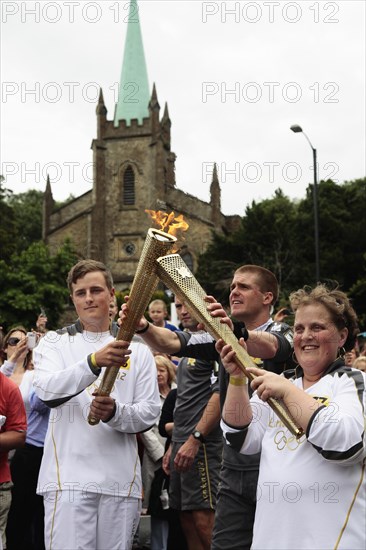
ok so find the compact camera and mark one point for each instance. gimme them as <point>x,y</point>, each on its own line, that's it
<point>31,340</point>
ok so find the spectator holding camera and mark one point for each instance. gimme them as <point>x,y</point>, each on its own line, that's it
<point>17,353</point>
<point>25,462</point>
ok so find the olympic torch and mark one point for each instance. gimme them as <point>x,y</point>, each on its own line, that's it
<point>157,243</point>
<point>175,274</point>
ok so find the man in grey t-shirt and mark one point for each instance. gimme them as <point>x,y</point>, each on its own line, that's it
<point>194,456</point>
<point>253,292</point>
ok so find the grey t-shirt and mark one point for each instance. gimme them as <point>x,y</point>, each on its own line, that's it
<point>196,382</point>
<point>202,345</point>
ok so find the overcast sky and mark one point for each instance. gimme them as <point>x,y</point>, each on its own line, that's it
<point>236,76</point>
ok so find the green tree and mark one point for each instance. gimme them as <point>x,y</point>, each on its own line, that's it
<point>355,234</point>
<point>8,228</point>
<point>335,220</point>
<point>357,293</point>
<point>279,234</point>
<point>21,219</point>
<point>217,264</point>
<point>266,237</point>
<point>33,279</point>
<point>27,208</point>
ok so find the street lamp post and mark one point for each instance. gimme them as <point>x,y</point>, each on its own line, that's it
<point>297,129</point>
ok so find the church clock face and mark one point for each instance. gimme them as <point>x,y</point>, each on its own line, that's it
<point>130,249</point>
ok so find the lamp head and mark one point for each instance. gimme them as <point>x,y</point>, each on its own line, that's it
<point>296,128</point>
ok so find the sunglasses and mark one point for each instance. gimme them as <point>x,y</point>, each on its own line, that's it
<point>13,341</point>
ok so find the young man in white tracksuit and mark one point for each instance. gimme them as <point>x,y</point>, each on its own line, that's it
<point>90,475</point>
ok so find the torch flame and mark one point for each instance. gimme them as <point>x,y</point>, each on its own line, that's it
<point>169,223</point>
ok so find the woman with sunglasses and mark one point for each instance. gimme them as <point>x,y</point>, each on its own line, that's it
<point>18,364</point>
<point>26,505</point>
<point>16,354</point>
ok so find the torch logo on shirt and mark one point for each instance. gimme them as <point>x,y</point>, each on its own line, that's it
<point>126,365</point>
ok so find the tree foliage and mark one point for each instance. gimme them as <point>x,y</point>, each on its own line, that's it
<point>8,233</point>
<point>27,208</point>
<point>34,279</point>
<point>30,277</point>
<point>266,237</point>
<point>278,233</point>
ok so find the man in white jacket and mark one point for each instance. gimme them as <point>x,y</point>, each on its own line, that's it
<point>90,475</point>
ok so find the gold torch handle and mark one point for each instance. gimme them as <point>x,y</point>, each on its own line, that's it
<point>157,243</point>
<point>175,274</point>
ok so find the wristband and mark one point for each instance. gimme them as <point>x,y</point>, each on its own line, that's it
<point>238,381</point>
<point>142,330</point>
<point>94,361</point>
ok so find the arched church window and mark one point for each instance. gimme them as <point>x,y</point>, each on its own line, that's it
<point>188,259</point>
<point>128,187</point>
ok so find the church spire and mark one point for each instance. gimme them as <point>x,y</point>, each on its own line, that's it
<point>215,202</point>
<point>101,108</point>
<point>101,111</point>
<point>134,96</point>
<point>47,209</point>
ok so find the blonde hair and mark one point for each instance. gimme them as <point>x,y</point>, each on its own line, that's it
<point>358,362</point>
<point>162,361</point>
<point>158,302</point>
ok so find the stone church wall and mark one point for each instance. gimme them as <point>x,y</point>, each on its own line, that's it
<point>77,231</point>
<point>75,208</point>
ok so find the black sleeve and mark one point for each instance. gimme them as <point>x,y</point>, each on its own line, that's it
<point>53,403</point>
<point>204,351</point>
<point>283,358</point>
<point>284,346</point>
<point>238,329</point>
<point>236,440</point>
<point>167,412</point>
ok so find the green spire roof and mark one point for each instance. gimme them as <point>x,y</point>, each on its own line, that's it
<point>133,97</point>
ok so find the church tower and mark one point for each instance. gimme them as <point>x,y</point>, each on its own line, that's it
<point>134,170</point>
<point>133,163</point>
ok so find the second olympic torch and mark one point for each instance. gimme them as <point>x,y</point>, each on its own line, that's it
<point>157,244</point>
<point>175,274</point>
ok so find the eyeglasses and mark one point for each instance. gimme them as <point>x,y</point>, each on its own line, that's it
<point>13,341</point>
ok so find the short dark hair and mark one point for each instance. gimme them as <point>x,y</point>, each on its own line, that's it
<point>83,267</point>
<point>266,280</point>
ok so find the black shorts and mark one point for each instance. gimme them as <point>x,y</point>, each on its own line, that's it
<point>196,489</point>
